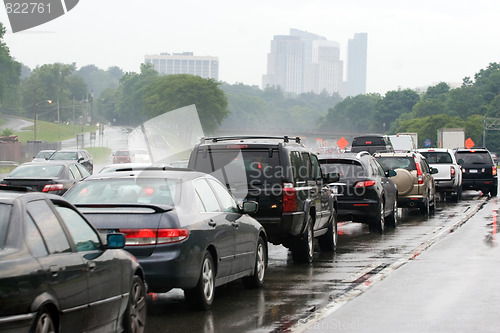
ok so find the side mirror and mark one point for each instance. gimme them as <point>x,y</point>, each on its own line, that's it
<point>390,173</point>
<point>250,207</point>
<point>80,159</point>
<point>434,171</point>
<point>332,177</point>
<point>115,240</point>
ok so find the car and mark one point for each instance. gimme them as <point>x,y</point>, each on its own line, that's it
<point>124,167</point>
<point>184,227</point>
<point>141,156</point>
<point>123,156</point>
<point>284,177</point>
<point>416,186</point>
<point>80,155</point>
<point>365,193</point>
<point>479,171</point>
<point>43,155</point>
<point>448,179</point>
<point>371,143</point>
<point>55,177</point>
<point>58,275</point>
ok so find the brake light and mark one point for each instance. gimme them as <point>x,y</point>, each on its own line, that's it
<point>134,237</point>
<point>52,187</point>
<point>237,146</point>
<point>289,198</point>
<point>420,178</point>
<point>494,170</point>
<point>452,171</point>
<point>366,183</point>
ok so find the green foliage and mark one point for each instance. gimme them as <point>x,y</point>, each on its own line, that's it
<point>171,92</point>
<point>52,132</point>
<point>99,80</point>
<point>7,132</point>
<point>10,70</point>
<point>389,108</point>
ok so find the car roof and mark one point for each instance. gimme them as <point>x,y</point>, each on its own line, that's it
<point>151,172</point>
<point>252,140</point>
<point>439,150</point>
<point>345,156</point>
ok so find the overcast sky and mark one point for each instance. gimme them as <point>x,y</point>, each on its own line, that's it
<point>410,44</point>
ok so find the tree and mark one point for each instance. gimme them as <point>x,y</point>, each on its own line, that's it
<point>171,92</point>
<point>10,70</point>
<point>389,108</point>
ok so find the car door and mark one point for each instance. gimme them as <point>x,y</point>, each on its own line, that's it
<point>245,234</point>
<point>103,269</point>
<point>65,268</point>
<point>324,192</point>
<point>219,231</point>
<point>388,186</point>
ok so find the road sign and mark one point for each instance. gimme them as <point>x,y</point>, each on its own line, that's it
<point>469,143</point>
<point>427,143</point>
<point>342,143</point>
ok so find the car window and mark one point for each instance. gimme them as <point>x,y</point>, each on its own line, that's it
<point>58,155</point>
<point>34,239</point>
<point>316,170</point>
<point>36,170</point>
<point>228,203</point>
<point>345,168</point>
<point>306,169</point>
<point>437,157</point>
<point>476,157</point>
<point>392,163</point>
<point>49,226</point>
<point>296,162</point>
<point>206,195</point>
<point>84,237</point>
<point>74,173</point>
<point>4,222</point>
<point>83,171</point>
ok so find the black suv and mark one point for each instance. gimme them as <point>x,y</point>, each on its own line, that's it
<point>284,177</point>
<point>371,143</point>
<point>364,192</point>
<point>479,172</point>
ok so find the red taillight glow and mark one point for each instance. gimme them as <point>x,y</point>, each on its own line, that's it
<point>494,170</point>
<point>52,187</point>
<point>366,183</point>
<point>419,173</point>
<point>289,198</point>
<point>136,237</point>
<point>452,171</point>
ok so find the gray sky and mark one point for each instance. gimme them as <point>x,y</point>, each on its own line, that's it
<point>410,44</point>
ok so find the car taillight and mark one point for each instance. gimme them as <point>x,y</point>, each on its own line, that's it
<point>289,198</point>
<point>494,170</point>
<point>366,183</point>
<point>52,187</point>
<point>134,237</point>
<point>420,178</point>
<point>452,171</point>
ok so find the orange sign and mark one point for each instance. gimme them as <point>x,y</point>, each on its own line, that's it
<point>342,143</point>
<point>469,143</point>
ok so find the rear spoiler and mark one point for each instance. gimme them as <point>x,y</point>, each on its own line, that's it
<point>111,207</point>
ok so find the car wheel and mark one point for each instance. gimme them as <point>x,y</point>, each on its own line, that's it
<point>302,250</point>
<point>44,322</point>
<point>135,314</point>
<point>328,241</point>
<point>425,206</point>
<point>256,280</point>
<point>378,224</point>
<point>392,220</point>
<point>493,191</point>
<point>202,296</point>
<point>432,204</point>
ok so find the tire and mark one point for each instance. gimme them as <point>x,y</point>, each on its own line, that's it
<point>135,314</point>
<point>302,250</point>
<point>378,225</point>
<point>328,241</point>
<point>201,297</point>
<point>256,280</point>
<point>425,207</point>
<point>432,205</point>
<point>392,220</point>
<point>493,191</point>
<point>44,322</point>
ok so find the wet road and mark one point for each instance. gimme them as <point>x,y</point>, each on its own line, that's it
<point>295,292</point>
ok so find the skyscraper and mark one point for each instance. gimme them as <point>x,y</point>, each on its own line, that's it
<point>304,62</point>
<point>184,63</point>
<point>356,64</point>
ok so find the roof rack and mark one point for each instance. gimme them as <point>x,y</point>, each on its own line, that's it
<point>362,153</point>
<point>285,138</point>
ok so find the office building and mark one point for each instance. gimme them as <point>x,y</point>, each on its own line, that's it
<point>356,64</point>
<point>184,63</point>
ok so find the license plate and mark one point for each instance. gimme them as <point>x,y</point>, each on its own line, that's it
<point>473,171</point>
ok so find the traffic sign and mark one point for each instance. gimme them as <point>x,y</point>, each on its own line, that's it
<point>469,143</point>
<point>342,143</point>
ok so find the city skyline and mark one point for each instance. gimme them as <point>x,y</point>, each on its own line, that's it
<point>411,45</point>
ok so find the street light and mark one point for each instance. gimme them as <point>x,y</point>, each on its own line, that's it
<point>34,111</point>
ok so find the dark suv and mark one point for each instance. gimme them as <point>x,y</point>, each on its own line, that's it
<point>284,177</point>
<point>479,172</point>
<point>371,143</point>
<point>364,192</point>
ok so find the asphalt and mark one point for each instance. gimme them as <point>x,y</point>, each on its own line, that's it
<point>450,284</point>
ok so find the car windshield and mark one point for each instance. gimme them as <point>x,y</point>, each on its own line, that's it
<point>476,157</point>
<point>44,154</point>
<point>4,222</point>
<point>122,153</point>
<point>345,168</point>
<point>392,163</point>
<point>60,155</point>
<point>37,170</point>
<point>157,191</point>
<point>437,157</point>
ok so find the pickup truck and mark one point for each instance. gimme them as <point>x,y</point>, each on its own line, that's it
<point>448,179</point>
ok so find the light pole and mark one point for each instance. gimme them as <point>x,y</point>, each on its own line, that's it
<point>34,112</point>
